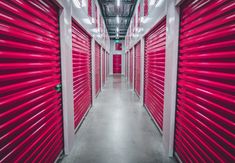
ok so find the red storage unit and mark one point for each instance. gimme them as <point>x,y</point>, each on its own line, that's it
<point>137,69</point>
<point>131,68</point>
<point>97,69</point>
<point>81,46</point>
<point>205,113</point>
<point>30,89</point>
<point>103,67</point>
<point>117,64</point>
<point>154,76</point>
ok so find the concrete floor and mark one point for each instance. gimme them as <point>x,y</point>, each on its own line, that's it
<point>117,130</point>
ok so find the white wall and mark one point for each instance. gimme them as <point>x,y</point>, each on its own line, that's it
<point>171,66</point>
<point>156,13</point>
<point>166,7</point>
<point>161,9</point>
<point>68,10</point>
<point>113,51</point>
<point>67,75</point>
<point>80,15</point>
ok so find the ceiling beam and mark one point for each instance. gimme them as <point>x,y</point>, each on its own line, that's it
<point>114,2</point>
<point>120,26</point>
<point>114,33</point>
<point>114,29</point>
<point>120,31</point>
<point>126,25</point>
<point>120,37</point>
<point>120,16</point>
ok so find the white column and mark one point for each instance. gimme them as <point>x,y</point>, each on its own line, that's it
<point>123,63</point>
<point>133,68</point>
<point>111,63</point>
<point>67,75</point>
<point>93,69</point>
<point>101,67</point>
<point>105,65</point>
<point>171,65</point>
<point>142,44</point>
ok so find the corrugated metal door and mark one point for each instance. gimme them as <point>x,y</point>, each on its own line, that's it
<point>131,68</point>
<point>154,76</point>
<point>81,46</point>
<point>31,112</point>
<point>103,67</point>
<point>137,69</point>
<point>205,114</point>
<point>97,69</point>
<point>117,64</point>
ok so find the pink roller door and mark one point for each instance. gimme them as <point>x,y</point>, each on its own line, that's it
<point>30,82</point>
<point>154,76</point>
<point>103,67</point>
<point>205,114</point>
<point>97,69</point>
<point>131,68</point>
<point>117,64</point>
<point>137,69</point>
<point>81,46</point>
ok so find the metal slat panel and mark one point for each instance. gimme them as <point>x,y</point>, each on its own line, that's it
<point>97,69</point>
<point>30,114</point>
<point>117,63</point>
<point>155,71</point>
<point>81,47</point>
<point>205,114</point>
<point>131,68</point>
<point>137,69</point>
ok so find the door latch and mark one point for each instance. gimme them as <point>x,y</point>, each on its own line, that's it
<point>58,87</point>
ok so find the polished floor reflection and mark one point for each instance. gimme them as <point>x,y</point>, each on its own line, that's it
<point>117,130</point>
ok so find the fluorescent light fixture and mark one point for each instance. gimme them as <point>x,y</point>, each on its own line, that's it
<point>139,30</point>
<point>152,2</point>
<point>141,19</point>
<point>118,2</point>
<point>117,35</point>
<point>77,3</point>
<point>84,3</point>
<point>87,21</point>
<point>146,20</point>
<point>117,29</point>
<point>93,20</point>
<point>95,30</point>
<point>118,20</point>
<point>159,3</point>
<point>171,20</point>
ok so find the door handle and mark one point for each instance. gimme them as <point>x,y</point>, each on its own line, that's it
<point>58,87</point>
